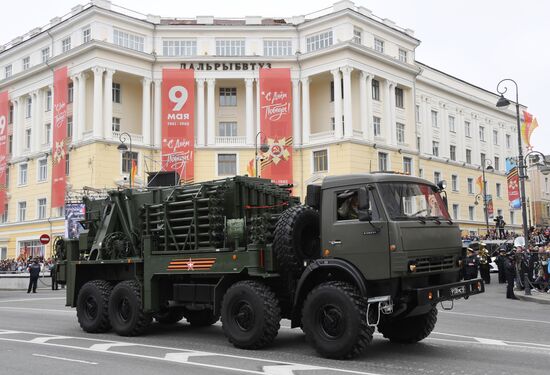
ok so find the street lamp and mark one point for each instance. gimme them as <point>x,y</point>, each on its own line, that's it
<point>123,137</point>
<point>487,165</point>
<point>263,148</point>
<point>502,103</point>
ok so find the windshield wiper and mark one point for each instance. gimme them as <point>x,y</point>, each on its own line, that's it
<point>422,219</point>
<point>434,218</point>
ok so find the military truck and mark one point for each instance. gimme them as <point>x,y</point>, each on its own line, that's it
<point>364,251</point>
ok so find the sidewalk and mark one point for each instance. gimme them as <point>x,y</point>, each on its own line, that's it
<point>535,296</point>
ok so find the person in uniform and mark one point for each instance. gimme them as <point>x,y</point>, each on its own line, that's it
<point>500,263</point>
<point>53,274</point>
<point>510,272</point>
<point>471,265</point>
<point>349,208</point>
<point>34,273</point>
<point>484,260</point>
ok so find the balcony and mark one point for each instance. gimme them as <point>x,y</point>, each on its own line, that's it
<point>231,141</point>
<point>136,138</point>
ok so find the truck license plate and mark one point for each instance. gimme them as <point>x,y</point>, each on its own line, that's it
<point>458,290</point>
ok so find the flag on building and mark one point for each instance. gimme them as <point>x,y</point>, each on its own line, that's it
<point>479,183</point>
<point>250,168</point>
<point>528,126</point>
<point>133,173</point>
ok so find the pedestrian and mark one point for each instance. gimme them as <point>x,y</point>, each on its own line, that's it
<point>484,260</point>
<point>500,264</point>
<point>34,272</point>
<point>53,275</point>
<point>471,265</point>
<point>510,271</point>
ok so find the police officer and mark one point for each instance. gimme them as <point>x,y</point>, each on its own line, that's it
<point>34,272</point>
<point>471,265</point>
<point>500,263</point>
<point>510,272</point>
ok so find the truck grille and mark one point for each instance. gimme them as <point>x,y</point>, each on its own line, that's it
<point>430,264</point>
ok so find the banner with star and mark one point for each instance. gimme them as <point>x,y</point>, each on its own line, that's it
<point>528,126</point>
<point>4,113</point>
<point>59,147</point>
<point>276,124</point>
<point>178,122</point>
<point>512,178</point>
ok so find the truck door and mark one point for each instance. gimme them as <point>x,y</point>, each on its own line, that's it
<point>364,244</point>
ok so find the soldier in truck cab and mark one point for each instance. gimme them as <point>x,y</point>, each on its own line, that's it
<point>349,206</point>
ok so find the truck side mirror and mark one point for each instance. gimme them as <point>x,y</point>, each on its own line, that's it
<point>363,212</point>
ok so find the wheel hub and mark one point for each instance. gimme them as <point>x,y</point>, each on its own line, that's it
<point>244,315</point>
<point>91,308</point>
<point>124,309</point>
<point>332,321</point>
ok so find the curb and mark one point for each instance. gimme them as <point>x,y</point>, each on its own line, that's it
<point>534,298</point>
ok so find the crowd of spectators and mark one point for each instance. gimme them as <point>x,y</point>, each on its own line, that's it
<point>20,264</point>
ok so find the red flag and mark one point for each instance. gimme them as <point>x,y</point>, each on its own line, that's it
<point>276,124</point>
<point>178,122</point>
<point>4,111</point>
<point>133,173</point>
<point>59,147</point>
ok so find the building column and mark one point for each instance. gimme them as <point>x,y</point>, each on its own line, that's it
<point>108,104</point>
<point>258,109</point>
<point>444,134</point>
<point>387,112</point>
<point>296,128</point>
<point>200,112</point>
<point>157,123</point>
<point>211,112</point>
<point>35,124</point>
<point>348,109</point>
<point>17,122</point>
<point>460,145</point>
<point>427,127</point>
<point>81,120</point>
<point>392,127</point>
<point>249,110</point>
<point>76,99</point>
<point>306,127</point>
<point>146,110</point>
<point>98,101</point>
<point>338,133</point>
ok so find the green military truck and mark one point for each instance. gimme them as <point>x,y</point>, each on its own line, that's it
<point>365,251</point>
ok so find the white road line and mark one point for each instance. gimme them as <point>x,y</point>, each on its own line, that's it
<point>7,332</point>
<point>183,357</point>
<point>495,317</point>
<point>30,299</point>
<point>490,341</point>
<point>36,309</point>
<point>287,369</point>
<point>65,359</point>
<point>45,339</point>
<point>109,345</point>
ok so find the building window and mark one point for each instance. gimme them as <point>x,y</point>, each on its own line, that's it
<point>399,103</point>
<point>10,145</point>
<point>357,36</point>
<point>7,71</point>
<point>417,113</point>
<point>454,182</point>
<point>508,141</point>
<point>320,161</point>
<point>22,211</point>
<point>67,164</point>
<point>115,124</point>
<point>455,211</point>
<point>4,218</point>
<point>546,186</point>
<point>470,185</point>
<point>66,44</point>
<point>452,128</point>
<point>278,47</point>
<point>28,108</point>
<point>69,126</point>
<point>407,165</point>
<point>376,126</point>
<point>400,130</point>
<point>10,114</point>
<point>127,158</point>
<point>452,152</point>
<point>420,172</point>
<point>375,89</point>
<point>495,137</point>
<point>127,40</point>
<point>70,92</point>
<point>498,190</point>
<point>319,41</point>
<point>437,177</point>
<point>468,156</point>
<point>42,169</point>
<point>179,47</point>
<point>471,213</point>
<point>435,148</point>
<point>7,176</point>
<point>482,159</point>
<point>28,139</point>
<point>227,164</point>
<point>86,34</point>
<point>117,93</point>
<point>47,133</point>
<point>434,119</point>
<point>41,208</point>
<point>512,218</point>
<point>467,129</point>
<point>378,45</point>
<point>402,55</point>
<point>26,63</point>
<point>45,54</point>
<point>496,165</point>
<point>48,100</point>
<point>418,142</point>
<point>382,161</point>
<point>230,47</point>
<point>228,96</point>
<point>227,129</point>
<point>482,133</point>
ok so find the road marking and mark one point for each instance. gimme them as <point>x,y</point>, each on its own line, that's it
<point>39,310</point>
<point>495,317</point>
<point>490,341</point>
<point>183,357</point>
<point>7,332</point>
<point>287,369</point>
<point>107,346</point>
<point>65,359</point>
<point>45,339</point>
<point>30,299</point>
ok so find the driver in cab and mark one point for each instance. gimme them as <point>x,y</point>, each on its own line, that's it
<point>349,207</point>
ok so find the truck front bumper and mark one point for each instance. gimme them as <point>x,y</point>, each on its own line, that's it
<point>462,289</point>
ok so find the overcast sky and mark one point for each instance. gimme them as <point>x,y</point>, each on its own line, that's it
<point>479,41</point>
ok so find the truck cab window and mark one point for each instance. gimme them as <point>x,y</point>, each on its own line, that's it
<point>347,205</point>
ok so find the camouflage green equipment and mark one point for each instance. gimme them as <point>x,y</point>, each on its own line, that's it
<point>367,250</point>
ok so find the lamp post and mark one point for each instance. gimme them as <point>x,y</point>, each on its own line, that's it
<point>123,137</point>
<point>501,103</point>
<point>489,166</point>
<point>263,148</point>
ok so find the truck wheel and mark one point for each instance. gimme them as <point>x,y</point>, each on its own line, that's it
<point>201,318</point>
<point>296,238</point>
<point>170,316</point>
<point>250,315</point>
<point>334,319</point>
<point>126,309</point>
<point>92,306</point>
<point>409,330</point>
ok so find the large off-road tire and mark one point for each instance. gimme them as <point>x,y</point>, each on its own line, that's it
<point>200,318</point>
<point>169,316</point>
<point>250,315</point>
<point>296,238</point>
<point>408,330</point>
<point>92,306</point>
<point>334,319</point>
<point>126,309</point>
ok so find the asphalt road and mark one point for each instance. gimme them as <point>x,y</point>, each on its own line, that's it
<point>487,334</point>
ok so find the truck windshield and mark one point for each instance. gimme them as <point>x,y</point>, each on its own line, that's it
<point>405,201</point>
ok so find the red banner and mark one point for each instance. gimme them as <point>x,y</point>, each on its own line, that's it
<point>276,124</point>
<point>178,122</point>
<point>59,147</point>
<point>4,112</point>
